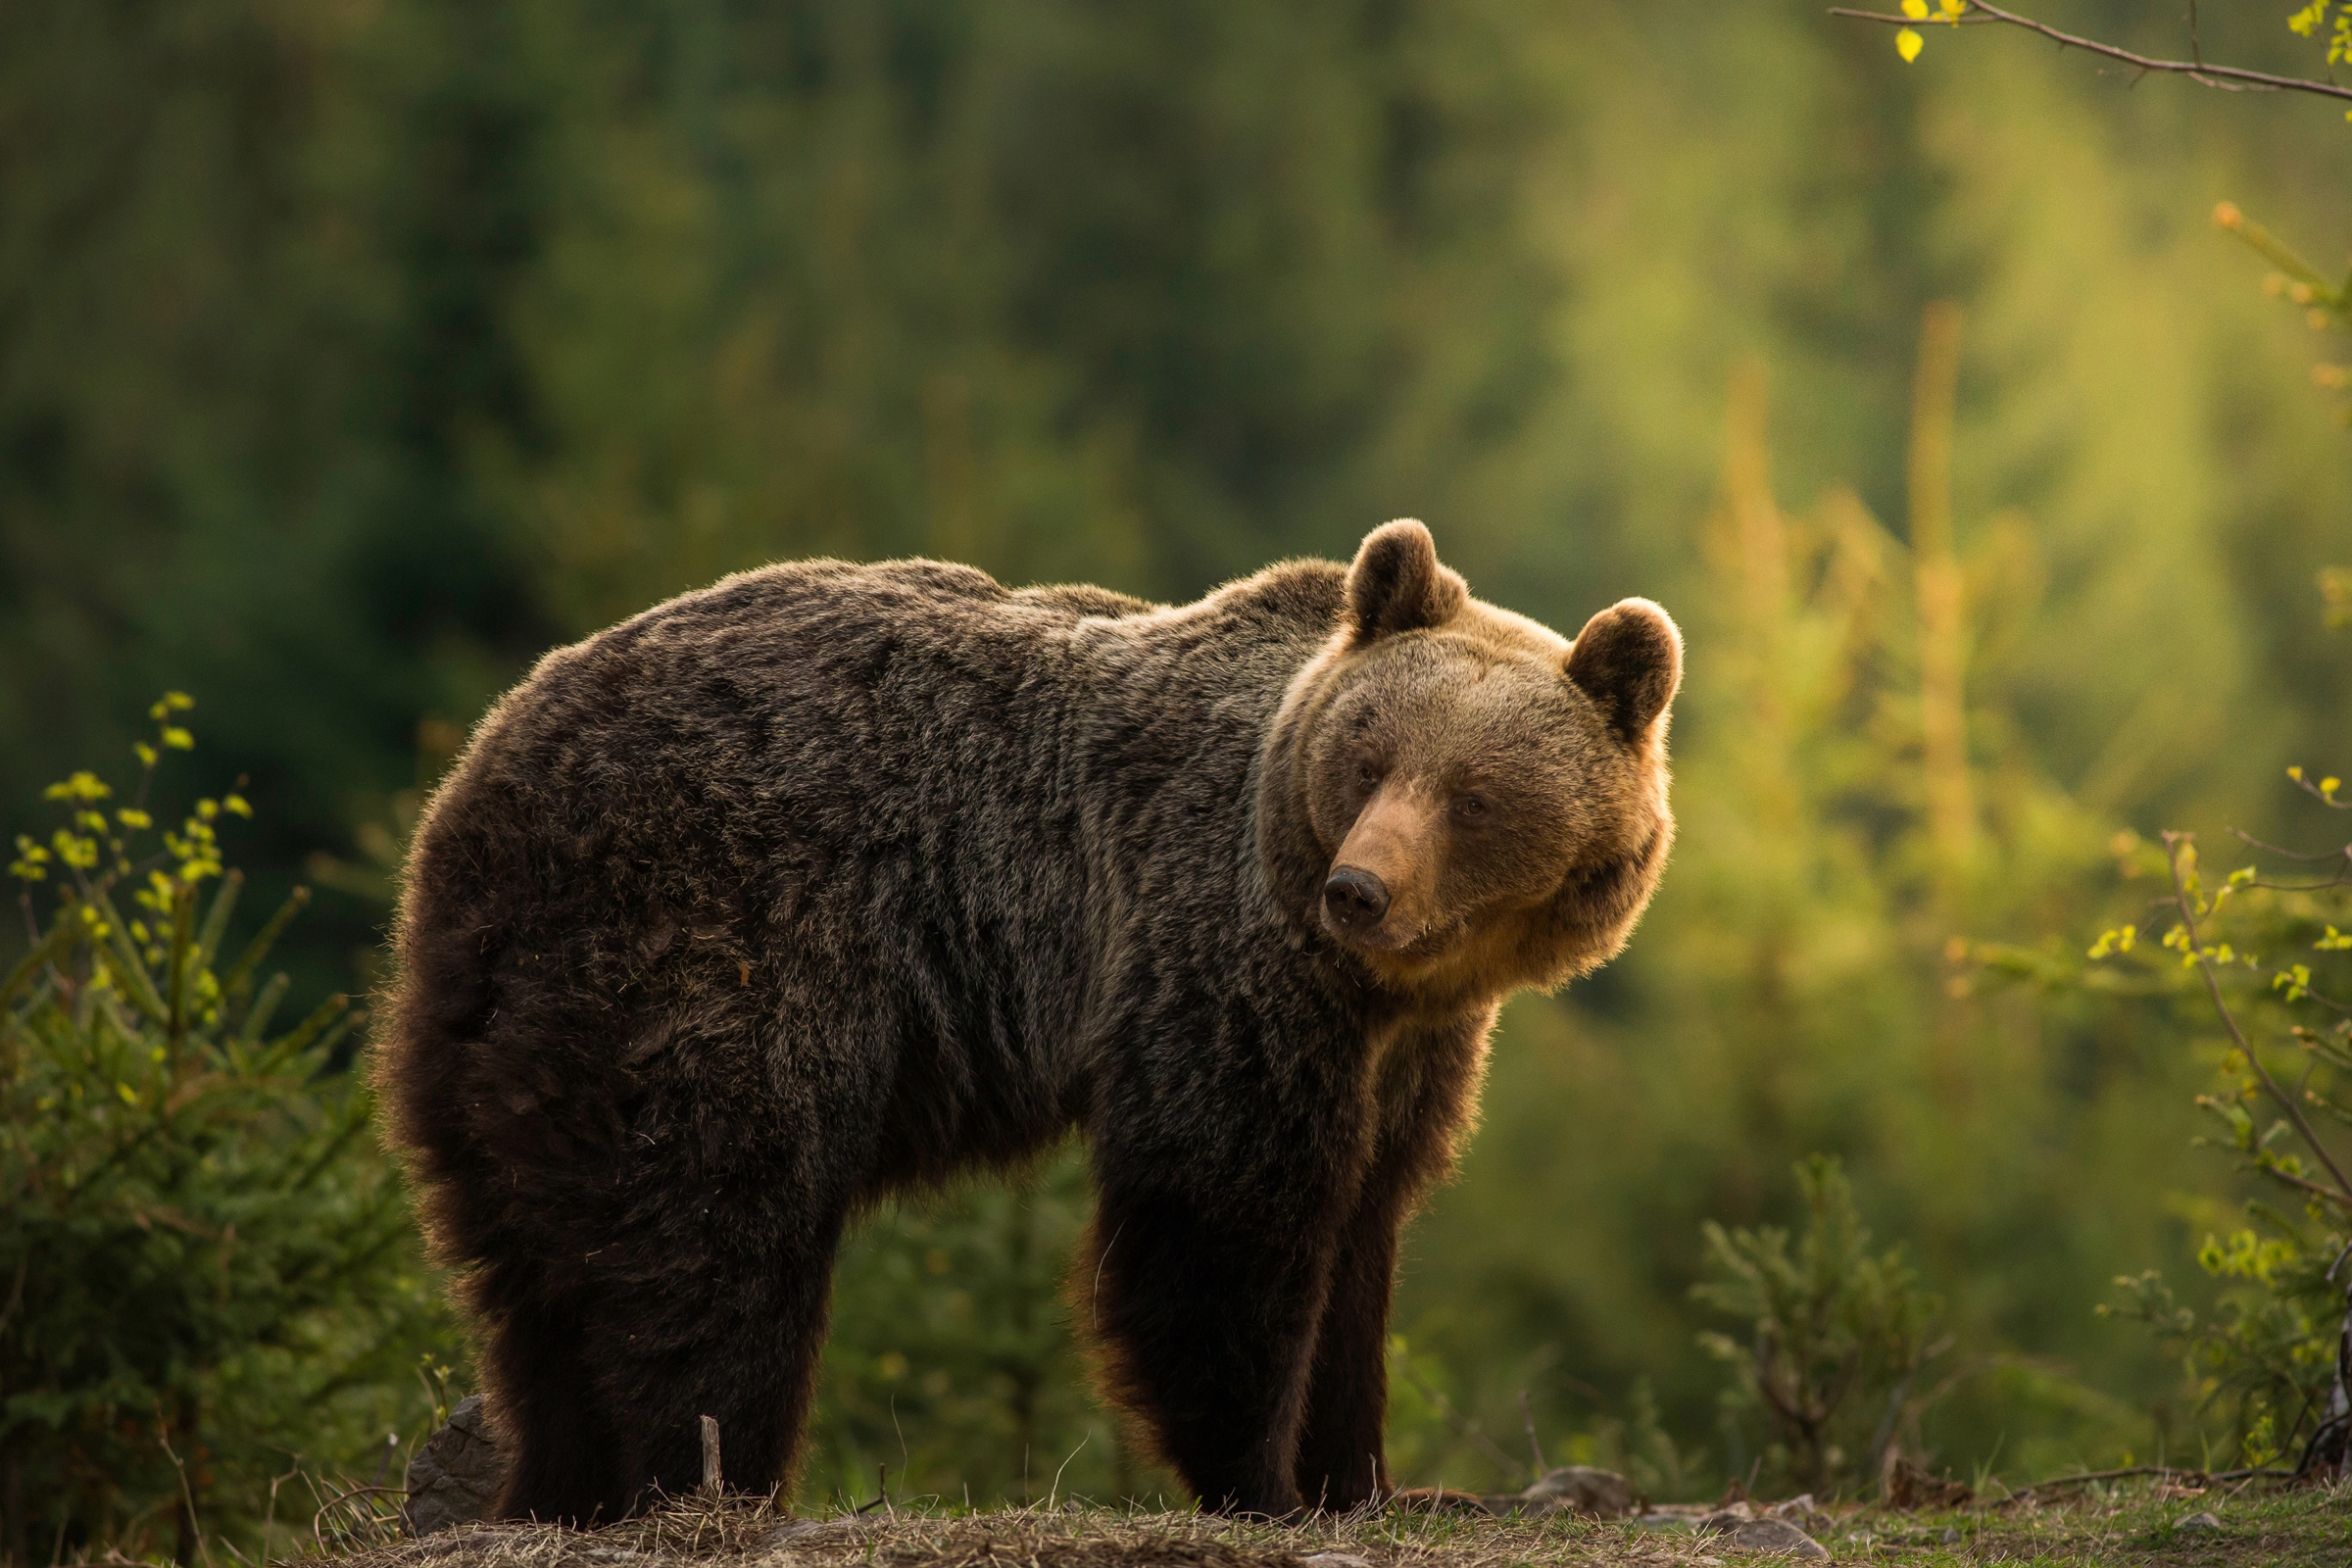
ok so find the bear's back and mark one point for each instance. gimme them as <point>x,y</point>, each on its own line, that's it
<point>900,797</point>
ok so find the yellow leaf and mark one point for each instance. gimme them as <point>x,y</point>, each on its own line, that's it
<point>1916,9</point>
<point>1906,42</point>
<point>1953,8</point>
<point>2327,785</point>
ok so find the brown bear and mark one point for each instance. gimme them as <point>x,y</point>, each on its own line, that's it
<point>833,881</point>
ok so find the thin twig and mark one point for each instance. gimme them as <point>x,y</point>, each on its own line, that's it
<point>1533,1446</point>
<point>2316,1189</point>
<point>1459,1422</point>
<point>2228,78</point>
<point>2320,795</point>
<point>187,1496</point>
<point>2249,840</point>
<point>2134,1472</point>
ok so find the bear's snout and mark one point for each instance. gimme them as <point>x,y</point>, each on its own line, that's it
<point>1355,900</point>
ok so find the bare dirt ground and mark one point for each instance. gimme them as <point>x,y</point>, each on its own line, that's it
<point>2123,1526</point>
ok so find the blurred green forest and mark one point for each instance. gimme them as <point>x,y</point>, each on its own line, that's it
<point>353,352</point>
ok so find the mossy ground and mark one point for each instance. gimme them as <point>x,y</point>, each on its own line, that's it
<point>2128,1525</point>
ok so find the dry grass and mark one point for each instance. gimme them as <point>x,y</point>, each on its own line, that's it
<point>1074,1536</point>
<point>2105,1527</point>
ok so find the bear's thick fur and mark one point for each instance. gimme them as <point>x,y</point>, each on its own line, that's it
<point>833,880</point>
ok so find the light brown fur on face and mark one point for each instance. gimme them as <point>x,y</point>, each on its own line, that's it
<point>1487,800</point>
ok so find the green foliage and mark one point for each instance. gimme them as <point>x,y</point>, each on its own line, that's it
<point>2258,955</point>
<point>2313,20</point>
<point>1840,1335</point>
<point>2324,304</point>
<point>210,1272</point>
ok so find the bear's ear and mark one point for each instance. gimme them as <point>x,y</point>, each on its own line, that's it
<point>1397,584</point>
<point>1628,659</point>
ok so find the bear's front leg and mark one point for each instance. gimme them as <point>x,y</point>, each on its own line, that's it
<point>1426,1091</point>
<point>1341,1460</point>
<point>1207,1313</point>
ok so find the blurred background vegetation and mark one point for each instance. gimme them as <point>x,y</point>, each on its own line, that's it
<point>353,353</point>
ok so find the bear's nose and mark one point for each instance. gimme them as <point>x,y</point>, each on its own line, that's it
<point>1355,898</point>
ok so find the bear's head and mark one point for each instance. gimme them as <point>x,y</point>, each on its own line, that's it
<point>1463,798</point>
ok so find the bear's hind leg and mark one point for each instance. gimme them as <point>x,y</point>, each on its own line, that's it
<point>561,1452</point>
<point>744,1354</point>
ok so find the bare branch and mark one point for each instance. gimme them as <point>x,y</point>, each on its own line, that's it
<point>2307,785</point>
<point>2093,1477</point>
<point>2229,79</point>
<point>2344,853</point>
<point>2316,1189</point>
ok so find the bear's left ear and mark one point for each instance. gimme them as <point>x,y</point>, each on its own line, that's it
<point>1397,584</point>
<point>1628,659</point>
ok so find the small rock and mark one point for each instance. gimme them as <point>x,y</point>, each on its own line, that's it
<point>1595,1493</point>
<point>1950,1536</point>
<point>1762,1535</point>
<point>1907,1486</point>
<point>455,1477</point>
<point>1336,1559</point>
<point>2200,1521</point>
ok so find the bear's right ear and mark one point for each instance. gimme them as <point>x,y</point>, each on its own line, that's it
<point>1628,660</point>
<point>1397,584</point>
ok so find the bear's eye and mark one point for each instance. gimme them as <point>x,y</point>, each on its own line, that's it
<point>1470,808</point>
<point>1367,775</point>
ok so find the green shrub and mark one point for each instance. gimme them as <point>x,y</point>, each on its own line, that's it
<point>208,1276</point>
<point>1839,1336</point>
<point>2249,957</point>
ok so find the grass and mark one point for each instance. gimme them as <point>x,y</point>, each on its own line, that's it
<point>2137,1524</point>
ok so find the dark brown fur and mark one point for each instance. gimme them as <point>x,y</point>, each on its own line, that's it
<point>834,880</point>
